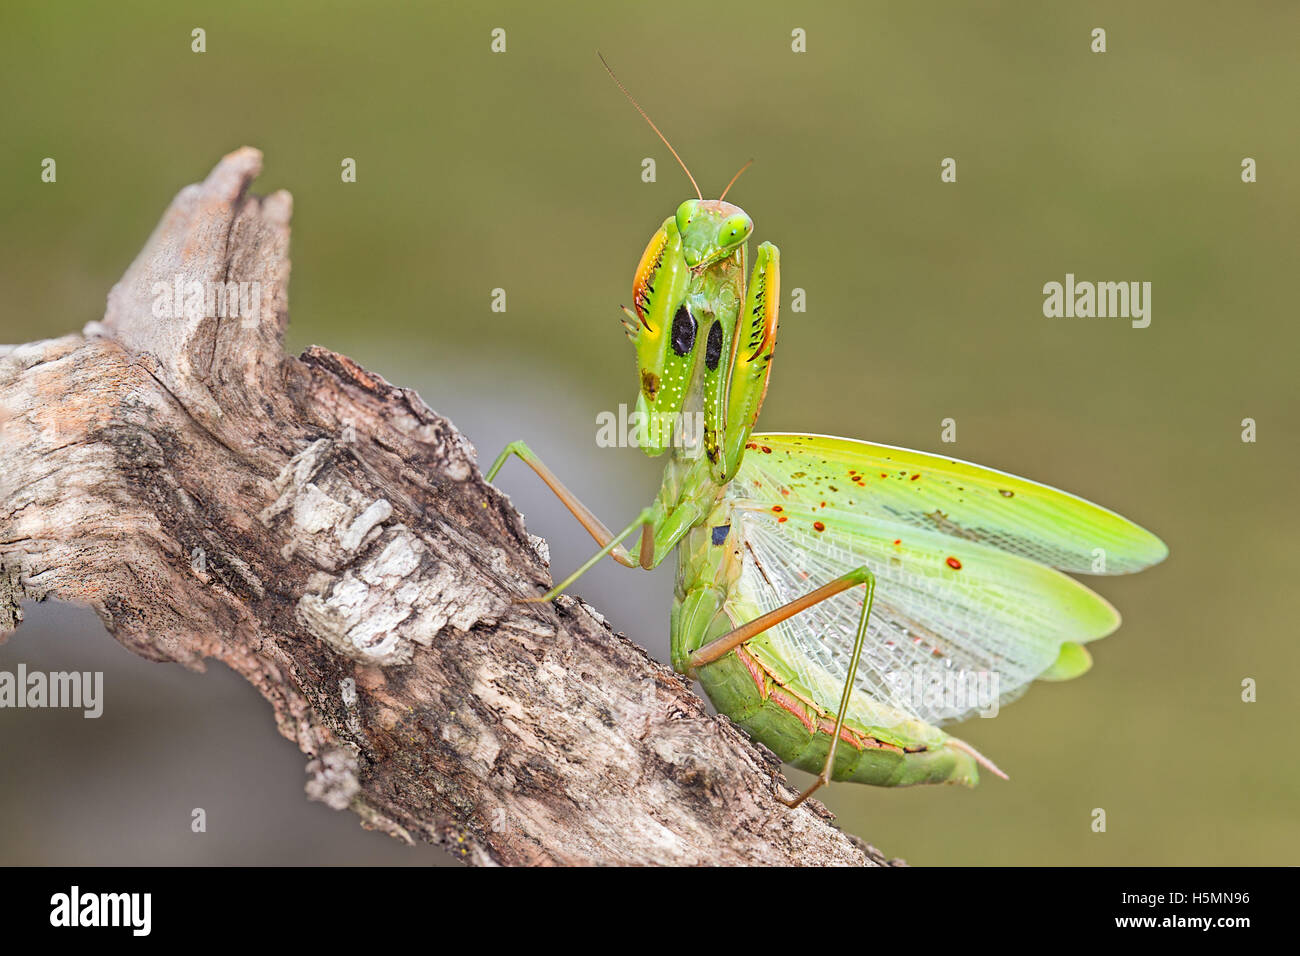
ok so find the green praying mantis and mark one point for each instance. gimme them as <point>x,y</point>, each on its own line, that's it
<point>821,581</point>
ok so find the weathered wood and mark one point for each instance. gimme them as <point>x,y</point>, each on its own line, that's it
<point>329,537</point>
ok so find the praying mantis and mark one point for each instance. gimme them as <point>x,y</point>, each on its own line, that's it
<point>822,580</point>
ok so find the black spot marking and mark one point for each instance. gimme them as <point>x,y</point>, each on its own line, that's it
<point>720,533</point>
<point>650,384</point>
<point>713,348</point>
<point>684,329</point>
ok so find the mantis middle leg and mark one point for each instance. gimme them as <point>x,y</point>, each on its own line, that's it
<point>586,517</point>
<point>611,544</point>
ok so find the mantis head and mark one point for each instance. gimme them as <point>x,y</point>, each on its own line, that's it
<point>711,229</point>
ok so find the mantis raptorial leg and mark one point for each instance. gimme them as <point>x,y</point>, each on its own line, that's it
<point>586,517</point>
<point>715,649</point>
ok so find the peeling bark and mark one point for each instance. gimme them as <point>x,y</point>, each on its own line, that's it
<point>329,537</point>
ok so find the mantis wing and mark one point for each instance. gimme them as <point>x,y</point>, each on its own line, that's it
<point>955,498</point>
<point>963,612</point>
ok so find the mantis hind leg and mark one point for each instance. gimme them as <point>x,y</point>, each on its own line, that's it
<point>717,648</point>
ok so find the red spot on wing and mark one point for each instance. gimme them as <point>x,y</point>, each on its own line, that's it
<point>954,563</point>
<point>818,526</point>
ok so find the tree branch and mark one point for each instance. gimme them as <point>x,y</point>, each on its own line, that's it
<point>329,537</point>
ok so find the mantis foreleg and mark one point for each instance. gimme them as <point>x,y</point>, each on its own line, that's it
<point>717,648</point>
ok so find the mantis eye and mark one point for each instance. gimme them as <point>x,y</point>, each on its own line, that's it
<point>684,213</point>
<point>736,229</point>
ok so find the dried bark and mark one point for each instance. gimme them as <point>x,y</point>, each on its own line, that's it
<point>329,537</point>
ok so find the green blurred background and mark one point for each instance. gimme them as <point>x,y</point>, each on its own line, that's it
<point>522,171</point>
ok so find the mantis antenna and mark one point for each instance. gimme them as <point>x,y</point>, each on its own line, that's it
<point>733,180</point>
<point>632,100</point>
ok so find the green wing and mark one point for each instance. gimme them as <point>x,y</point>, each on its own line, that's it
<point>955,498</point>
<point>964,595</point>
